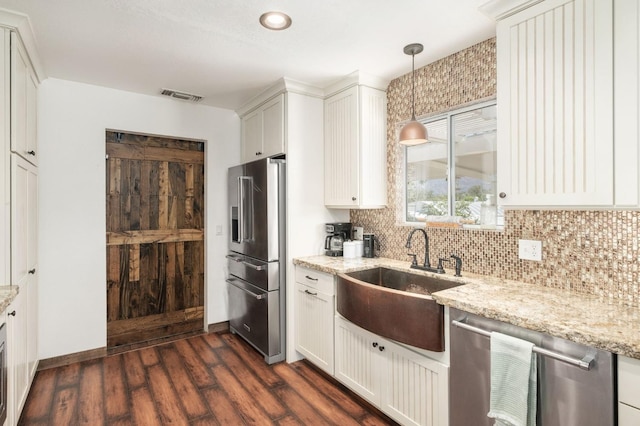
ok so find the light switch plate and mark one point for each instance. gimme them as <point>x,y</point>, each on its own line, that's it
<point>358,232</point>
<point>530,250</point>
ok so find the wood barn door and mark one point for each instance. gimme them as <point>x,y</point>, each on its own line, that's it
<point>155,237</point>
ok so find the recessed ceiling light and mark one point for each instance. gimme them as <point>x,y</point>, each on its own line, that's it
<point>275,20</point>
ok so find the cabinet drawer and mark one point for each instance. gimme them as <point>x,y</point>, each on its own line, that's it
<point>629,381</point>
<point>628,416</point>
<point>319,280</point>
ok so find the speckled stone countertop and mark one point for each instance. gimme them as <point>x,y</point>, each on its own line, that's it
<point>590,320</point>
<point>7,294</point>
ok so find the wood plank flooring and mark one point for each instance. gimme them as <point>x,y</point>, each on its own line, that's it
<point>211,379</point>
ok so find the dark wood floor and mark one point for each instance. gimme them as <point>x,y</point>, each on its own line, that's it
<point>212,379</point>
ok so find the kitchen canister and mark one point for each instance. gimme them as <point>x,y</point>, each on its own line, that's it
<point>359,247</point>
<point>349,249</point>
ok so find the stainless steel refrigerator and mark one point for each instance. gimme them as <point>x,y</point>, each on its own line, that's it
<point>256,259</point>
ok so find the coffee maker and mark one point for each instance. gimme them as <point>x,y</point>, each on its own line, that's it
<point>338,234</point>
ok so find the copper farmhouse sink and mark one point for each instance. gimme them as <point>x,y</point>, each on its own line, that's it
<point>395,304</point>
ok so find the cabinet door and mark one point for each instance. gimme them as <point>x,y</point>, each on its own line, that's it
<point>357,360</point>
<point>341,155</point>
<point>18,384</point>
<point>416,389</point>
<point>20,170</point>
<point>314,326</point>
<point>32,218</point>
<point>555,103</point>
<point>32,125</point>
<point>23,102</point>
<point>628,416</point>
<point>251,136</point>
<point>373,148</point>
<point>32,325</point>
<point>273,142</point>
<point>24,218</point>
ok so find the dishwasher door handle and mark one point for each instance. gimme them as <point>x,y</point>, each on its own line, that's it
<point>584,363</point>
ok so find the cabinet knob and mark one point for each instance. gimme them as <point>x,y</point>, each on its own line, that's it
<point>258,153</point>
<point>31,152</point>
<point>32,271</point>
<point>374,344</point>
<point>502,195</point>
<point>12,313</point>
<point>353,198</point>
<point>381,348</point>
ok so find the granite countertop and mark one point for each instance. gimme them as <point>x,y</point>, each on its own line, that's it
<point>7,294</point>
<point>605,324</point>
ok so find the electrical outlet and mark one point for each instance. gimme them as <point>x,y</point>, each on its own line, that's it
<point>530,250</point>
<point>358,232</point>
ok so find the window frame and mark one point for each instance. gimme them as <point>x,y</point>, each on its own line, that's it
<point>451,173</point>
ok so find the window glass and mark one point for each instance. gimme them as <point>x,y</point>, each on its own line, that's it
<point>453,177</point>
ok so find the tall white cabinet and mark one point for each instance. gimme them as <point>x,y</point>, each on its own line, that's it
<point>19,215</point>
<point>555,103</point>
<point>355,138</point>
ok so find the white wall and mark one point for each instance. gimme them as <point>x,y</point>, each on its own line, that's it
<point>71,136</point>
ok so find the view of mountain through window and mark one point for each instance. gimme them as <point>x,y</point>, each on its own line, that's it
<point>453,177</point>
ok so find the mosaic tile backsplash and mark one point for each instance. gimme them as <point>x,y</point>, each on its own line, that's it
<point>589,252</point>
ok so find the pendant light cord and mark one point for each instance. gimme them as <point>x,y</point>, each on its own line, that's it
<point>413,84</point>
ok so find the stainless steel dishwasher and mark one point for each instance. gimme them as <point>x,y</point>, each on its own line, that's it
<point>576,383</point>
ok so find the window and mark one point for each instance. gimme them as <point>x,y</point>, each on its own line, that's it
<point>453,178</point>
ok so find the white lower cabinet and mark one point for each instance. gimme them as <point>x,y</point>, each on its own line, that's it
<point>408,387</point>
<point>17,359</point>
<point>628,391</point>
<point>314,317</point>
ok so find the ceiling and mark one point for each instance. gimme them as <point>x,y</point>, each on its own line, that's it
<point>218,50</point>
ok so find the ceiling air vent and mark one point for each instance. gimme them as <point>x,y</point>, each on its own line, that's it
<point>183,96</point>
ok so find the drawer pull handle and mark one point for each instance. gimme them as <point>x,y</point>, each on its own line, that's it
<point>310,293</point>
<point>32,271</point>
<point>31,152</point>
<point>310,278</point>
<point>12,313</point>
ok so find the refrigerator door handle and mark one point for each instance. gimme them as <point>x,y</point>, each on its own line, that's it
<point>240,211</point>
<point>244,262</point>
<point>252,294</point>
<point>245,208</point>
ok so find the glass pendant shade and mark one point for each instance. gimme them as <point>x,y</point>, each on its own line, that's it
<point>413,133</point>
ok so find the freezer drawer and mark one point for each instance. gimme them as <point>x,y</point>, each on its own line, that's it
<point>265,275</point>
<point>254,314</point>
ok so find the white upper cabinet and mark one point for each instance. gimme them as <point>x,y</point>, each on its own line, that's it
<point>23,103</point>
<point>555,105</point>
<point>355,134</point>
<point>263,130</point>
<point>626,102</point>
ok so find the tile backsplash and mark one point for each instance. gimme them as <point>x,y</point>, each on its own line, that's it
<point>590,252</point>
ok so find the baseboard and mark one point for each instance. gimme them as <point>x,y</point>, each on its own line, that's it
<point>60,361</point>
<point>219,327</point>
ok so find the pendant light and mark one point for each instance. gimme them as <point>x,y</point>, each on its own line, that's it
<point>414,132</point>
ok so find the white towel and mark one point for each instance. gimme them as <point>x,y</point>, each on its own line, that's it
<point>513,381</point>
